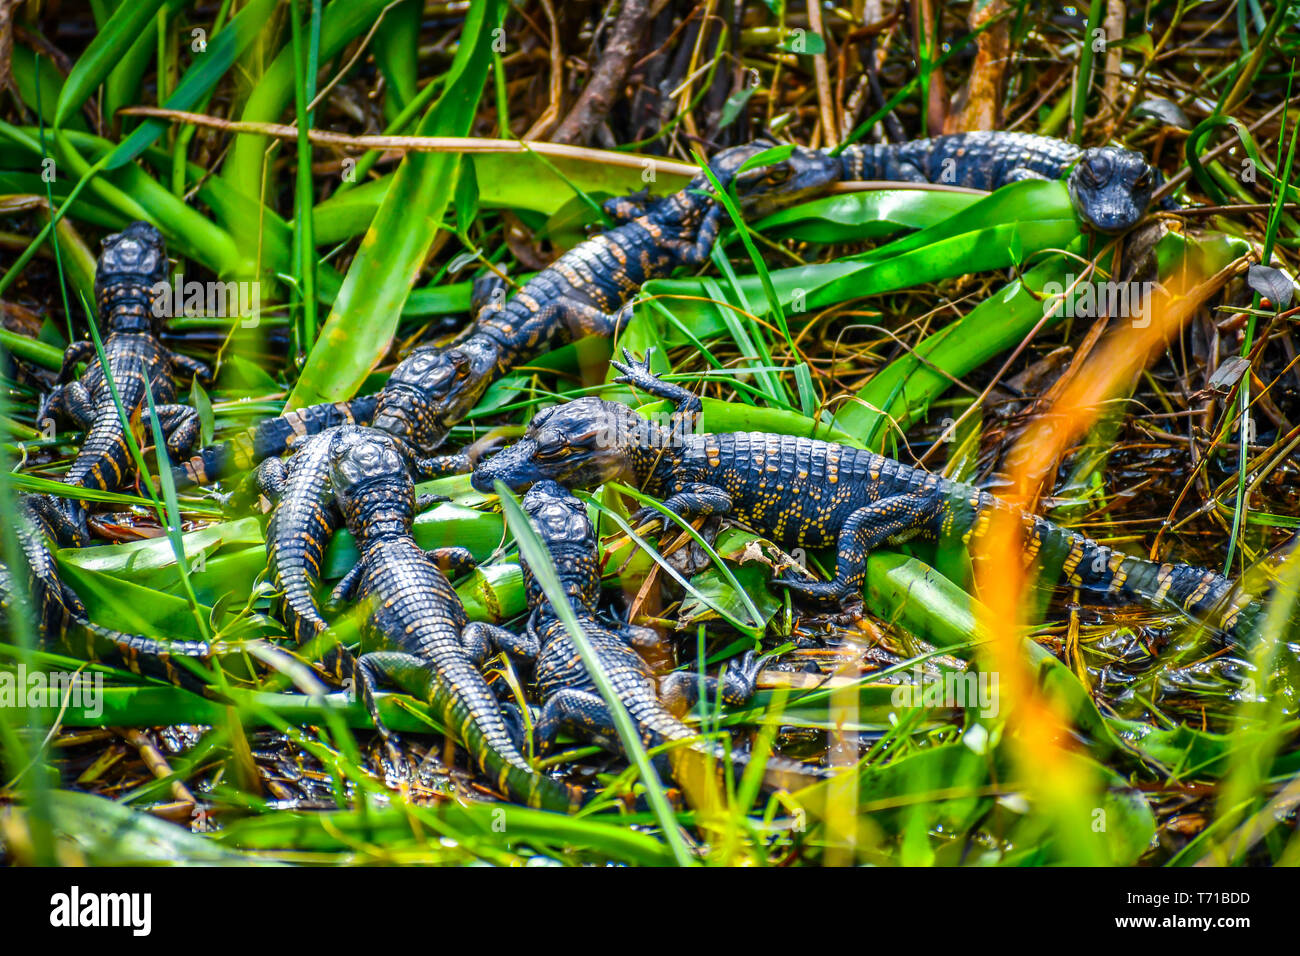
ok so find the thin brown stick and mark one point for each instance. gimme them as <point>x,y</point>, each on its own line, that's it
<point>822,76</point>
<point>612,67</point>
<point>470,144</point>
<point>556,85</point>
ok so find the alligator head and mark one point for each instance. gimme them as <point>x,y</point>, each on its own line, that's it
<point>369,476</point>
<point>1111,187</point>
<point>131,264</point>
<point>580,444</point>
<point>805,173</point>
<point>562,523</point>
<point>431,389</point>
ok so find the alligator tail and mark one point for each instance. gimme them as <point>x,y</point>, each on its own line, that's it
<point>1086,564</point>
<point>471,713</point>
<point>862,161</point>
<point>142,655</point>
<point>271,437</point>
<point>62,612</point>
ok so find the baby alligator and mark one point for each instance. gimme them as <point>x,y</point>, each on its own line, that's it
<point>414,621</point>
<point>58,613</point>
<point>132,263</point>
<point>582,293</point>
<point>1109,186</point>
<point>303,520</point>
<point>570,698</point>
<point>803,492</point>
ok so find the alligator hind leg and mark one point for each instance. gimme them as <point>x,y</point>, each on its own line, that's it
<point>865,530</point>
<point>581,713</point>
<point>481,639</point>
<point>71,402</point>
<point>407,672</point>
<point>516,725</point>
<point>180,426</point>
<point>680,690</point>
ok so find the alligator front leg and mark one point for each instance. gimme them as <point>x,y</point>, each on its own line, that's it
<point>688,407</point>
<point>692,252</point>
<point>453,561</point>
<point>82,350</point>
<point>487,296</point>
<point>680,690</point>
<point>197,370</point>
<point>623,209</point>
<point>270,478</point>
<point>346,589</point>
<point>1020,174</point>
<point>693,501</point>
<point>581,319</point>
<point>865,530</point>
<point>441,466</point>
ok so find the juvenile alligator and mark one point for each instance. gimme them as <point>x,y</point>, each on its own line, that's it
<point>808,493</point>
<point>414,621</point>
<point>570,698</point>
<point>584,292</point>
<point>303,519</point>
<point>1110,187</point>
<point>133,261</point>
<point>59,614</point>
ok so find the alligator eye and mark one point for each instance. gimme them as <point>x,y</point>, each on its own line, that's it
<point>551,452</point>
<point>1143,181</point>
<point>779,174</point>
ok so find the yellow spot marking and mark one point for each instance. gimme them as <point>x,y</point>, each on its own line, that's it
<point>1164,577</point>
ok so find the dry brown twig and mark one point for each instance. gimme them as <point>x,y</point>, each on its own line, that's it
<point>612,68</point>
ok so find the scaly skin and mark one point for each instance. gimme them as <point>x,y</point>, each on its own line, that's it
<point>412,635</point>
<point>570,698</point>
<point>269,438</point>
<point>1109,186</point>
<point>807,493</point>
<point>302,522</point>
<point>132,263</point>
<point>59,614</point>
<point>582,293</point>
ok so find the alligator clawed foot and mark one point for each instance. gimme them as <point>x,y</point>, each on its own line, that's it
<point>396,766</point>
<point>817,593</point>
<point>648,520</point>
<point>635,371</point>
<point>750,666</point>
